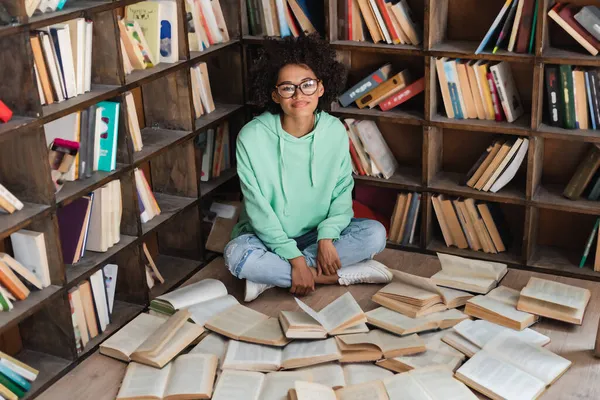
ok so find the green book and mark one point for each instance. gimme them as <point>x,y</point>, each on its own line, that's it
<point>533,25</point>
<point>588,245</point>
<point>567,96</point>
<point>10,385</point>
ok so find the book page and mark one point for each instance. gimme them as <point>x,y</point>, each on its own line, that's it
<point>267,331</point>
<point>453,339</point>
<point>239,385</point>
<point>358,373</point>
<point>330,374</point>
<point>198,292</point>
<point>212,344</point>
<point>536,361</point>
<point>433,341</point>
<point>388,342</point>
<point>449,296</point>
<point>192,375</point>
<point>144,381</point>
<point>467,267</point>
<point>245,356</point>
<point>367,391</point>
<point>340,311</point>
<point>500,378</point>
<point>440,384</point>
<point>500,308</point>
<point>393,318</point>
<point>360,328</point>
<point>431,359</point>
<point>132,335</point>
<point>557,293</point>
<point>182,338</point>
<point>310,349</point>
<point>312,313</point>
<point>163,334</point>
<point>277,384</point>
<point>313,391</point>
<point>204,311</point>
<point>480,332</point>
<point>301,319</point>
<point>505,294</point>
<point>403,386</point>
<point>444,278</point>
<point>234,321</point>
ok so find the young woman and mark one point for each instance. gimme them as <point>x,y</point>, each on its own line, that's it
<point>297,228</point>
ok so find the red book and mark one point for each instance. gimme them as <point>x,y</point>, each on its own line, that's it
<point>567,13</point>
<point>405,94</point>
<point>5,112</point>
<point>289,17</point>
<point>495,98</point>
<point>356,159</point>
<point>388,21</point>
<point>525,26</point>
<point>349,19</point>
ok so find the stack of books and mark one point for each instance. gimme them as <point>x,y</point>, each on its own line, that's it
<point>202,94</point>
<point>478,89</point>
<point>62,56</point>
<point>91,222</point>
<point>476,276</point>
<point>383,89</point>
<point>95,130</point>
<point>498,165</point>
<point>467,223</point>
<point>404,220</point>
<point>581,23</point>
<point>22,265</point>
<point>285,18</point>
<point>586,179</point>
<point>206,24</point>
<point>15,377</point>
<point>9,203</point>
<point>573,97</point>
<point>385,22</point>
<point>147,202</point>
<point>513,28</point>
<point>370,153</point>
<point>215,145</point>
<point>92,304</point>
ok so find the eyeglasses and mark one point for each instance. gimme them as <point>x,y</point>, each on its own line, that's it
<point>307,87</point>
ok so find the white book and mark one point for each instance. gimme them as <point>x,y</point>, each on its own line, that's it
<point>39,85</point>
<point>117,207</point>
<point>52,67</point>
<point>377,148</point>
<point>11,198</point>
<point>110,282</point>
<point>96,238</point>
<point>480,332</point>
<point>100,300</point>
<point>30,250</point>
<point>134,123</point>
<point>420,384</point>
<point>269,27</point>
<point>511,153</point>
<point>516,23</point>
<point>148,213</point>
<point>77,28</point>
<point>212,343</point>
<point>211,21</point>
<point>79,312</point>
<point>507,91</point>
<point>380,22</point>
<point>66,62</point>
<point>511,170</point>
<point>169,31</point>
<point>87,73</point>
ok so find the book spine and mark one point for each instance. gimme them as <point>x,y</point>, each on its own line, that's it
<point>11,198</point>
<point>388,21</point>
<point>589,21</point>
<point>588,88</point>
<point>10,385</point>
<point>525,26</point>
<point>495,99</point>
<point>588,245</point>
<point>362,87</point>
<point>595,86</point>
<point>16,378</point>
<point>552,90</point>
<point>595,191</point>
<point>404,95</point>
<point>501,92</point>
<point>454,99</point>
<point>356,159</point>
<point>583,174</point>
<point>567,96</point>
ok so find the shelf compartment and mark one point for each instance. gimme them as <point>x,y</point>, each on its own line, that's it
<point>519,127</point>
<point>196,56</point>
<point>24,308</point>
<point>377,47</point>
<point>221,112</point>
<point>175,270</point>
<point>75,189</point>
<point>92,260</point>
<point>394,115</point>
<point>461,49</point>
<point>557,261</point>
<point>209,186</point>
<point>10,223</point>
<point>169,206</point>
<point>50,368</point>
<point>142,76</point>
<point>507,257</point>
<point>550,196</point>
<point>77,103</point>
<point>157,140</point>
<point>404,178</point>
<point>553,132</point>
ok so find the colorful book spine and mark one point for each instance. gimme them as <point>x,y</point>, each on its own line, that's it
<point>10,385</point>
<point>588,88</point>
<point>108,136</point>
<point>452,80</point>
<point>553,94</point>
<point>494,26</point>
<point>588,245</point>
<point>567,96</point>
<point>495,98</point>
<point>16,378</point>
<point>367,84</point>
<point>404,95</point>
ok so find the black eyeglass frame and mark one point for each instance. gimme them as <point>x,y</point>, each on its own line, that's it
<point>296,87</point>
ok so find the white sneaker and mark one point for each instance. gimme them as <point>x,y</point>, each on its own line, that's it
<point>368,271</point>
<point>253,290</point>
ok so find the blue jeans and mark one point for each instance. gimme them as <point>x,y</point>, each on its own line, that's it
<point>247,257</point>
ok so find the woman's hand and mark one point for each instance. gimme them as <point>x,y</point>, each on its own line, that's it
<point>303,281</point>
<point>328,260</point>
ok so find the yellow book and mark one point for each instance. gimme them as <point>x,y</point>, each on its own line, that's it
<point>481,69</point>
<point>147,15</point>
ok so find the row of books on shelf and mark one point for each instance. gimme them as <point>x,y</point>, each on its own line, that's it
<point>16,377</point>
<point>215,145</point>
<point>382,21</point>
<point>383,88</point>
<point>478,89</point>
<point>43,6</point>
<point>92,304</point>
<point>369,151</point>
<point>284,17</point>
<point>206,24</point>
<point>573,96</point>
<point>581,23</point>
<point>468,223</point>
<point>62,55</point>
<point>404,222</point>
<point>201,91</point>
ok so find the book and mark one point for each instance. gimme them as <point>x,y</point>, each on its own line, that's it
<point>300,325</point>
<point>252,385</point>
<point>19,367</point>
<point>168,340</point>
<point>189,376</point>
<point>500,307</point>
<point>73,220</point>
<point>461,273</point>
<point>242,323</point>
<point>429,360</point>
<point>310,390</point>
<point>564,15</point>
<point>187,296</point>
<point>509,368</point>
<point>554,300</point>
<point>212,343</point>
<point>257,357</point>
<point>376,147</point>
<point>507,91</point>
<point>127,339</point>
<point>400,324</point>
<point>584,173</point>
<point>365,85</point>
<point>377,344</point>
<point>403,95</point>
<point>396,83</point>
<point>422,384</point>
<point>494,27</point>
<point>21,270</point>
<point>589,18</point>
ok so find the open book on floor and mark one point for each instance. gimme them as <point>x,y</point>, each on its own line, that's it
<point>212,343</point>
<point>415,296</point>
<point>500,307</point>
<point>508,368</point>
<point>242,323</point>
<point>422,384</point>
<point>257,357</point>
<point>478,333</point>
<point>335,375</point>
<point>377,344</point>
<point>461,273</point>
<point>190,376</point>
<point>310,390</point>
<point>554,300</point>
<point>252,385</point>
<point>342,316</point>
<point>400,324</point>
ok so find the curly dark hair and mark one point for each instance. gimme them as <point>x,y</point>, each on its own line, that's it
<point>311,51</point>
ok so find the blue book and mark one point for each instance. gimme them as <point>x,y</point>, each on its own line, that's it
<point>16,378</point>
<point>452,80</point>
<point>107,160</point>
<point>314,11</point>
<point>410,218</point>
<point>284,29</point>
<point>494,26</point>
<point>366,85</point>
<point>590,98</point>
<point>61,4</point>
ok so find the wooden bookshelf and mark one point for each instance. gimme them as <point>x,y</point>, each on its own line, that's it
<point>42,323</point>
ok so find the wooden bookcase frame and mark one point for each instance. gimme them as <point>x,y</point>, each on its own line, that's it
<point>39,330</point>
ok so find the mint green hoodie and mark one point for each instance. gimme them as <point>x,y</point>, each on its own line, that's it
<point>293,185</point>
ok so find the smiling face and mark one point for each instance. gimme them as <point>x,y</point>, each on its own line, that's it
<point>299,104</point>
